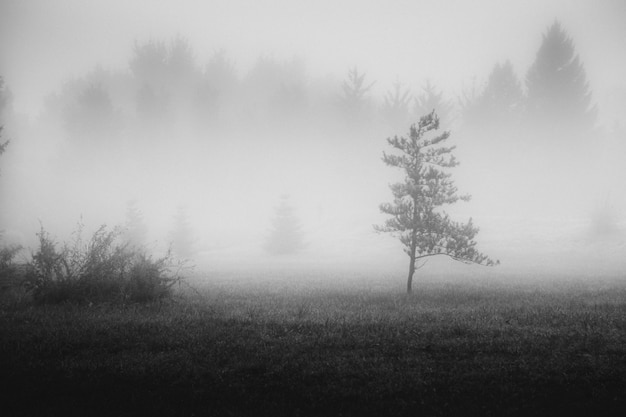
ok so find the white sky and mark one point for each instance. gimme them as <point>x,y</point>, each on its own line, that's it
<point>43,42</point>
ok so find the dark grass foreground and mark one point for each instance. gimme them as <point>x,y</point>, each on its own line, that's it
<point>448,350</point>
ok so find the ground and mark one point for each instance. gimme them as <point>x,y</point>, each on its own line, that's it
<point>313,344</point>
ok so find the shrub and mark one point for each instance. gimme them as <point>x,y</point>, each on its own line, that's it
<point>100,270</point>
<point>7,255</point>
<point>150,279</point>
<point>14,277</point>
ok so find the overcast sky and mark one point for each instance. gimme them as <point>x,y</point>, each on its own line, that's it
<point>43,42</point>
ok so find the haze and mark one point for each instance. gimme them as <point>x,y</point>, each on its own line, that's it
<point>542,204</point>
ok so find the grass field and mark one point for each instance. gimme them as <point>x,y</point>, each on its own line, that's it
<point>291,344</point>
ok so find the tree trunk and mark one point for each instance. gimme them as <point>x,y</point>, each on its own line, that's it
<point>413,249</point>
<point>409,282</point>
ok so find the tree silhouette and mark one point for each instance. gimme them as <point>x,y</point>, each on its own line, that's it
<point>353,99</point>
<point>396,106</point>
<point>501,102</point>
<point>3,146</point>
<point>558,91</point>
<point>3,101</point>
<point>285,236</point>
<point>181,63</point>
<point>91,118</point>
<point>431,99</point>
<point>181,237</point>
<point>415,219</point>
<point>221,73</point>
<point>135,231</point>
<point>149,63</point>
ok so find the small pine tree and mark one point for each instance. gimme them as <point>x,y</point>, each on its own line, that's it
<point>500,103</point>
<point>353,99</point>
<point>285,237</point>
<point>431,98</point>
<point>415,219</point>
<point>3,101</point>
<point>396,107</point>
<point>181,237</point>
<point>135,230</point>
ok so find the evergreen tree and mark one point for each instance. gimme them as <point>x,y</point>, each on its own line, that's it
<point>558,91</point>
<point>92,116</point>
<point>151,105</point>
<point>353,99</point>
<point>416,220</point>
<point>500,103</point>
<point>286,236</point>
<point>221,73</point>
<point>3,103</point>
<point>396,107</point>
<point>181,237</point>
<point>431,99</point>
<point>181,63</point>
<point>149,63</point>
<point>3,146</point>
<point>135,231</point>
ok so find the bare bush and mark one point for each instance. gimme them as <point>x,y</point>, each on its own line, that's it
<point>103,269</point>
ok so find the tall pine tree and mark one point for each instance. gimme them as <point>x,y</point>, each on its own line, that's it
<point>559,97</point>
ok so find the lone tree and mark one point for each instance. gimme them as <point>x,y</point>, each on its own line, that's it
<point>423,230</point>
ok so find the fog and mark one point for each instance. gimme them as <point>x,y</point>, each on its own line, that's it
<point>211,116</point>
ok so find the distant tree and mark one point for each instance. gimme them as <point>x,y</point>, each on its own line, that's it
<point>353,99</point>
<point>3,104</point>
<point>135,230</point>
<point>181,237</point>
<point>92,114</point>
<point>204,103</point>
<point>395,109</point>
<point>416,220</point>
<point>221,74</point>
<point>275,90</point>
<point>258,88</point>
<point>219,87</point>
<point>431,98</point>
<point>149,63</point>
<point>500,103</point>
<point>3,146</point>
<point>151,104</point>
<point>5,98</point>
<point>285,237</point>
<point>181,61</point>
<point>558,91</point>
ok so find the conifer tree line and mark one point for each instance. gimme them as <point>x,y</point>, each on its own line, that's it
<point>166,85</point>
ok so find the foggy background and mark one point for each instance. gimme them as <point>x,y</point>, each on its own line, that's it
<point>199,123</point>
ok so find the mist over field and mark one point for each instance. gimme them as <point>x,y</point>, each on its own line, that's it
<point>200,124</point>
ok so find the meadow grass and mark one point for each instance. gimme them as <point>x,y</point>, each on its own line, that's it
<point>288,344</point>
